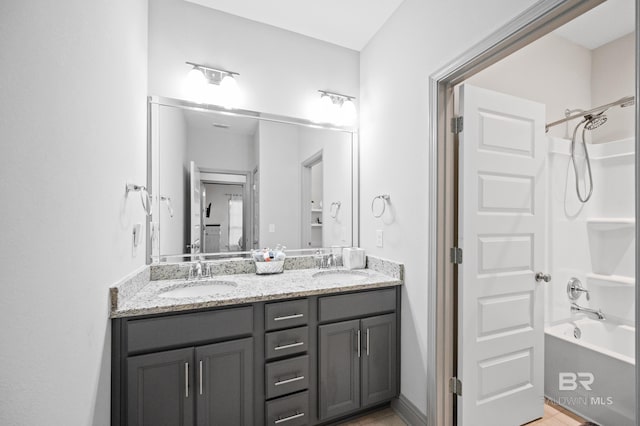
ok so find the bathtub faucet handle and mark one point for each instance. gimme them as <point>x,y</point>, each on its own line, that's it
<point>540,276</point>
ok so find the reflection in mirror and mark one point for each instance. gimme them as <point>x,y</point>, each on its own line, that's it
<point>241,181</point>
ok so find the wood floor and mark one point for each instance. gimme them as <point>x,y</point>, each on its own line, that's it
<point>384,417</point>
<point>553,416</point>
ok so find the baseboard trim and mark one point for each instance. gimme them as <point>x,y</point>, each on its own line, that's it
<point>409,412</point>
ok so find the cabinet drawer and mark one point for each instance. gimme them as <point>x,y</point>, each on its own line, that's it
<point>287,376</point>
<point>331,308</point>
<point>286,314</point>
<point>289,411</point>
<point>185,329</point>
<point>286,342</point>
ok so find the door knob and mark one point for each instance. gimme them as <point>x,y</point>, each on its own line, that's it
<point>543,277</point>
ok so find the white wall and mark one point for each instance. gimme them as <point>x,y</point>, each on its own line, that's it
<point>279,185</point>
<point>174,180</point>
<point>552,70</point>
<point>395,66</point>
<point>280,71</point>
<point>73,130</point>
<point>218,149</point>
<point>601,256</point>
<point>613,68</point>
<point>336,181</point>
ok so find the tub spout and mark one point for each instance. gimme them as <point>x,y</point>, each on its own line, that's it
<point>577,308</point>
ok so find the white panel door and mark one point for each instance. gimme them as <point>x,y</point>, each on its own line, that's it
<point>195,215</point>
<point>501,232</point>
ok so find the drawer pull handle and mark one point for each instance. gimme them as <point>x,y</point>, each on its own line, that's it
<point>200,377</point>
<point>289,346</point>
<point>367,342</point>
<point>285,382</point>
<point>288,317</point>
<point>286,419</point>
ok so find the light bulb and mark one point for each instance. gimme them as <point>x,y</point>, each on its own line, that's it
<point>348,112</point>
<point>195,83</point>
<point>229,91</point>
<point>327,109</point>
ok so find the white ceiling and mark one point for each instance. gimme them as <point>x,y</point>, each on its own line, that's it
<point>349,23</point>
<point>602,24</point>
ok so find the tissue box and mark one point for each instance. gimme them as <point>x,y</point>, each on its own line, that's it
<point>353,258</point>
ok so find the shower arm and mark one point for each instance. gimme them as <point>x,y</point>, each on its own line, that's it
<point>624,102</point>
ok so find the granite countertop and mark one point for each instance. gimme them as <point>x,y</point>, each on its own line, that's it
<point>146,296</point>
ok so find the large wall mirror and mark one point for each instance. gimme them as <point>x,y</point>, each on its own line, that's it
<point>224,182</point>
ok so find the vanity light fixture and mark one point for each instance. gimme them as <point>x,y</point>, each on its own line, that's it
<point>213,85</point>
<point>337,108</point>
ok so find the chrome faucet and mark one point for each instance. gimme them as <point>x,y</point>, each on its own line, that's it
<point>198,270</point>
<point>331,260</point>
<point>577,308</point>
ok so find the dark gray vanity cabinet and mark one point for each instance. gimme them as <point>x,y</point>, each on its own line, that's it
<point>214,381</point>
<point>358,358</point>
<point>296,362</point>
<point>224,379</point>
<point>159,390</point>
<point>339,368</point>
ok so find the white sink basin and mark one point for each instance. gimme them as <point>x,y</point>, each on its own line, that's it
<point>337,277</point>
<point>206,288</point>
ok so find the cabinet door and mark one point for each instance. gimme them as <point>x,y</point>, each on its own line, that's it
<point>159,389</point>
<point>339,368</point>
<point>379,362</point>
<point>225,383</point>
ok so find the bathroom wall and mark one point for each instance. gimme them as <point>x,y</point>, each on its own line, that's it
<point>280,71</point>
<point>613,67</point>
<point>336,181</point>
<point>220,149</point>
<point>395,66</point>
<point>552,70</point>
<point>174,179</point>
<point>73,130</point>
<point>279,167</point>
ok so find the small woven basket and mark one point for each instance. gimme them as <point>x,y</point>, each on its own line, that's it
<point>273,267</point>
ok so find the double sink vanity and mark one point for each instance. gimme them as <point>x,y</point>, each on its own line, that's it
<point>306,347</point>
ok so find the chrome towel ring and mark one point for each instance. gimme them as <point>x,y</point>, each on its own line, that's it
<point>333,213</point>
<point>385,198</point>
<point>145,198</point>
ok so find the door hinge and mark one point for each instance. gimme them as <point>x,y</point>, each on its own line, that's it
<point>456,255</point>
<point>457,124</point>
<point>455,386</point>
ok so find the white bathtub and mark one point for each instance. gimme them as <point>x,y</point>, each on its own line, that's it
<point>593,375</point>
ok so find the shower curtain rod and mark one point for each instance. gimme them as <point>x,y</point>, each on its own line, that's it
<point>624,102</point>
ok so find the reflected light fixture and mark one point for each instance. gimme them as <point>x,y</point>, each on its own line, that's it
<point>212,85</point>
<point>337,108</point>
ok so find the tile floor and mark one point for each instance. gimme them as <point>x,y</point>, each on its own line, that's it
<point>553,416</point>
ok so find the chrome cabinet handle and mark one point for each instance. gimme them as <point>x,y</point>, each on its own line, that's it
<point>186,380</point>
<point>285,382</point>
<point>286,419</point>
<point>291,345</point>
<point>288,317</point>
<point>200,377</point>
<point>367,342</point>
<point>358,343</point>
<point>540,276</point>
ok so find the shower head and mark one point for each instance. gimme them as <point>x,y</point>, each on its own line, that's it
<point>595,121</point>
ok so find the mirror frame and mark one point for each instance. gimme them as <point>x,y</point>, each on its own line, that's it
<point>155,102</point>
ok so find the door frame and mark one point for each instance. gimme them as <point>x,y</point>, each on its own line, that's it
<point>535,22</point>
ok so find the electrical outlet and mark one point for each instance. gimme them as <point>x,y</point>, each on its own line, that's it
<point>379,238</point>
